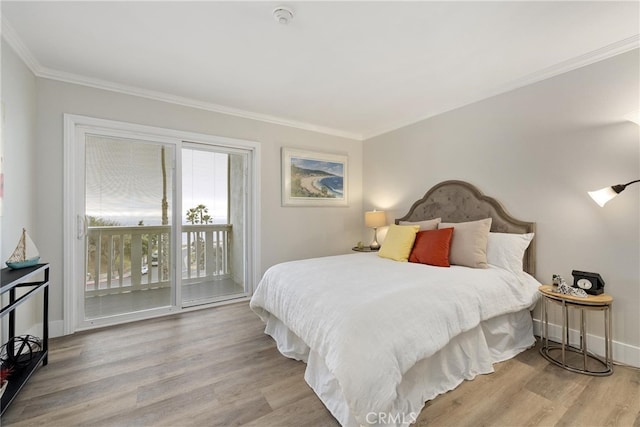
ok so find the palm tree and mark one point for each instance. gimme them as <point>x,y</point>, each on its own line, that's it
<point>199,215</point>
<point>164,239</point>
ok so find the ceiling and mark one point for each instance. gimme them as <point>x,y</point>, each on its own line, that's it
<point>354,69</point>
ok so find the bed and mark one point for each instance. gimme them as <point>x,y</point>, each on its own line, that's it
<point>382,337</point>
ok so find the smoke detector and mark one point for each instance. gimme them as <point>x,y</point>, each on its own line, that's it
<point>283,15</point>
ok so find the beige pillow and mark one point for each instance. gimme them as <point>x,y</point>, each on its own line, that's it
<point>430,224</point>
<point>469,242</point>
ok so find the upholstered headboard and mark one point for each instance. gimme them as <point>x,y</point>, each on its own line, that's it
<point>459,201</point>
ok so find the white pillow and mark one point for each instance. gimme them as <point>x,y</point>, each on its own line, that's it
<point>430,224</point>
<point>506,250</point>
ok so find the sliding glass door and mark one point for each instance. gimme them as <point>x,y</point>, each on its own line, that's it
<point>129,223</point>
<point>156,220</point>
<point>213,222</point>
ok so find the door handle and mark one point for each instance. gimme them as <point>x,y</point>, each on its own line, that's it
<point>81,225</point>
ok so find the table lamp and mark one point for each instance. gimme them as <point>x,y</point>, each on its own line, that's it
<point>375,219</point>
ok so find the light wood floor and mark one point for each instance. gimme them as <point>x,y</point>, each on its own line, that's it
<point>215,367</point>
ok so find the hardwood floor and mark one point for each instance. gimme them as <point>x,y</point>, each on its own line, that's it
<point>216,367</point>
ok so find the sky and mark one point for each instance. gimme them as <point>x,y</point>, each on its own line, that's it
<point>124,181</point>
<point>335,168</point>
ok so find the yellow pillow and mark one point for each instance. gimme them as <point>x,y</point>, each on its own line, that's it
<point>399,241</point>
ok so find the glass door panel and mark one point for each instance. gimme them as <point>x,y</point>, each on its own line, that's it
<point>213,207</point>
<point>128,212</point>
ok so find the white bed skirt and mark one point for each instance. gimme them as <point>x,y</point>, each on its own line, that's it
<point>469,354</point>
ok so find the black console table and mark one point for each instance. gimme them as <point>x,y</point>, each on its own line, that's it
<point>10,281</point>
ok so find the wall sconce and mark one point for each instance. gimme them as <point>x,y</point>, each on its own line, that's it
<point>602,196</point>
<point>375,219</point>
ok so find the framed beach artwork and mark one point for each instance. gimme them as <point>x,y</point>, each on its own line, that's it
<point>311,178</point>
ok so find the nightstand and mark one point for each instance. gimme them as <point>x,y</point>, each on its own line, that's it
<point>364,249</point>
<point>586,363</point>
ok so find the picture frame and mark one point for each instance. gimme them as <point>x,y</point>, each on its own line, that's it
<point>312,178</point>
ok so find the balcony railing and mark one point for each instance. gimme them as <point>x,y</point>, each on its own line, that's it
<point>124,259</point>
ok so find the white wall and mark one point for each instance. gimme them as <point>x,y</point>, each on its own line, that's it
<point>287,233</point>
<point>19,129</point>
<point>538,150</point>
<point>19,206</point>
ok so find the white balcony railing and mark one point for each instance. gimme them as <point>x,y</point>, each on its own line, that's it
<point>124,259</point>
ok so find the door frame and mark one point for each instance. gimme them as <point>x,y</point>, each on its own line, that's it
<point>73,205</point>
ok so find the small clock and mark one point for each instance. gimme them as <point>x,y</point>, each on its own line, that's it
<point>591,283</point>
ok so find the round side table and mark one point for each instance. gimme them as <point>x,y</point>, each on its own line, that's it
<point>556,353</point>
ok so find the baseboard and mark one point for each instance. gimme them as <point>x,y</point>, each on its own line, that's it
<point>622,353</point>
<point>35,330</point>
<point>56,328</point>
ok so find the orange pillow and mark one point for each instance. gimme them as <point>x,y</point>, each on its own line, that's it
<point>432,247</point>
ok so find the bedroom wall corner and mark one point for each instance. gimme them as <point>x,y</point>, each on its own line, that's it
<point>539,149</point>
<point>18,98</point>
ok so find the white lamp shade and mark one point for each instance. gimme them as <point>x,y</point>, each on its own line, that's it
<point>375,219</point>
<point>602,196</point>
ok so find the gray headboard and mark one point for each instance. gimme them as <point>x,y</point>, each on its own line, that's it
<point>459,201</point>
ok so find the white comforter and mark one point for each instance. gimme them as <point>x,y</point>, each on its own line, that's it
<point>372,319</point>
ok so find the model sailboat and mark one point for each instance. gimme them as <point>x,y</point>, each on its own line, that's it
<point>26,253</point>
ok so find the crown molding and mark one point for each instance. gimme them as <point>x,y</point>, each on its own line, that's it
<point>189,102</point>
<point>580,61</point>
<point>12,38</point>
